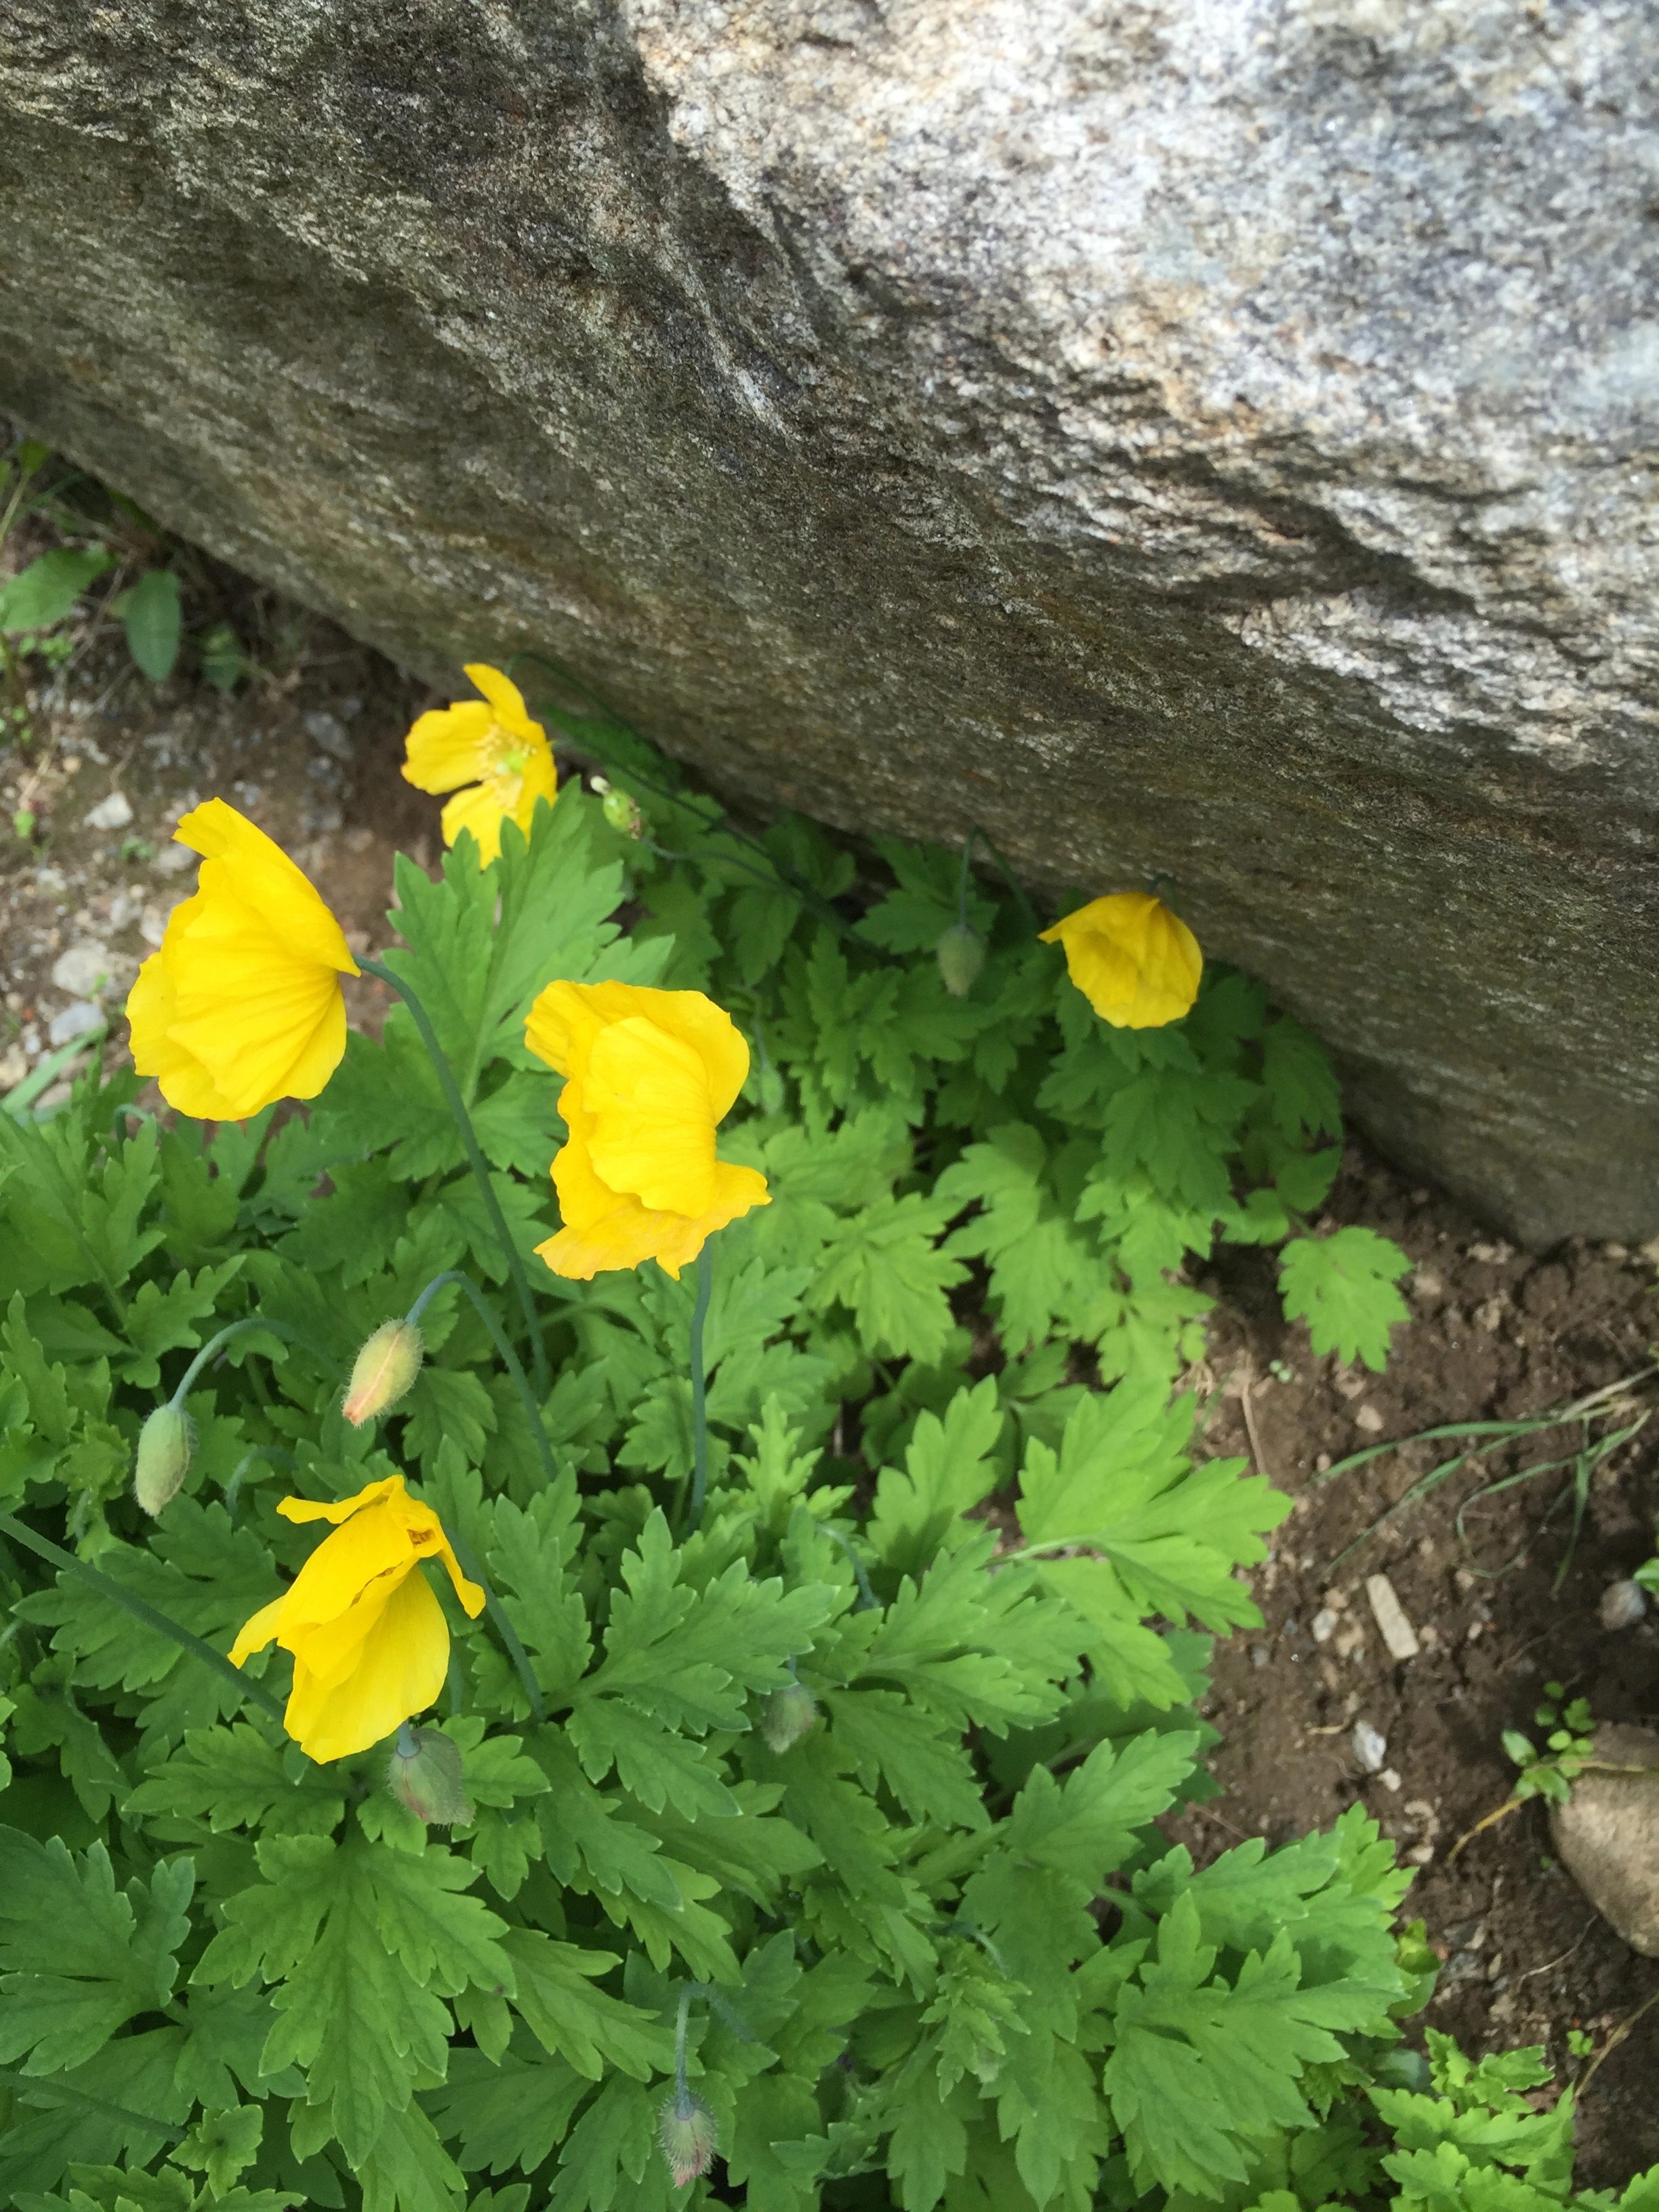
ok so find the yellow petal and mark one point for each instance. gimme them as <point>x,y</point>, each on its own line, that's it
<point>653,1128</point>
<point>505,697</point>
<point>400,1673</point>
<point>627,1234</point>
<point>566,1018</point>
<point>312,1508</point>
<point>445,748</point>
<point>253,1635</point>
<point>479,808</point>
<point>152,1005</point>
<point>262,876</point>
<point>1137,963</point>
<point>537,779</point>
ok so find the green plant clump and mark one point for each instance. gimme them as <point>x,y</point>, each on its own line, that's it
<point>815,1848</point>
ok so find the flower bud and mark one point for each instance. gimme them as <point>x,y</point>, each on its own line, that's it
<point>621,810</point>
<point>772,1093</point>
<point>786,1714</point>
<point>428,1780</point>
<point>687,2132</point>
<point>164,1444</point>
<point>961,954</point>
<point>385,1369</point>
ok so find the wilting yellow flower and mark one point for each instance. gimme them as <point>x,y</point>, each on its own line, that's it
<point>650,1074</point>
<point>242,1006</point>
<point>1136,963</point>
<point>369,1639</point>
<point>490,744</point>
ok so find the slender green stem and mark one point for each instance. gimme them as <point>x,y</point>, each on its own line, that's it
<point>514,1366</point>
<point>509,1635</point>
<point>867,1599</point>
<point>212,1344</point>
<point>274,1453</point>
<point>682,2082</point>
<point>476,1161</point>
<point>107,1587</point>
<point>700,1390</point>
<point>1012,881</point>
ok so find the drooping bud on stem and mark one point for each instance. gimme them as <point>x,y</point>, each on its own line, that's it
<point>786,1714</point>
<point>961,954</point>
<point>385,1371</point>
<point>621,810</point>
<point>164,1444</point>
<point>425,1775</point>
<point>687,2132</point>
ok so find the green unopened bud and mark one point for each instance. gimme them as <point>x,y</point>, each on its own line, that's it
<point>786,1714</point>
<point>22,824</point>
<point>771,1090</point>
<point>961,954</point>
<point>687,2132</point>
<point>164,1444</point>
<point>426,1778</point>
<point>621,810</point>
<point>385,1371</point>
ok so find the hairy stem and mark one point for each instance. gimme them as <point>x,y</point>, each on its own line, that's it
<point>699,1391</point>
<point>476,1161</point>
<point>514,1366</point>
<point>107,1587</point>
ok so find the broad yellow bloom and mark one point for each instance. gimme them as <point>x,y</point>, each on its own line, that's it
<point>491,746</point>
<point>1136,963</point>
<point>650,1074</point>
<point>369,1639</point>
<point>242,1006</point>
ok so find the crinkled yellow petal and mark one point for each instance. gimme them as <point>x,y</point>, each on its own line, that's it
<point>479,808</point>
<point>537,779</point>
<point>255,1634</point>
<point>313,1508</point>
<point>372,1543</point>
<point>654,1128</point>
<point>628,1234</point>
<point>152,1005</point>
<point>445,747</point>
<point>567,1017</point>
<point>1137,963</point>
<point>400,1673</point>
<point>505,697</point>
<point>260,875</point>
<point>242,1004</point>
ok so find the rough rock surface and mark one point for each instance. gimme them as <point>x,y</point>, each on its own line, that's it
<point>1609,1836</point>
<point>1209,434</point>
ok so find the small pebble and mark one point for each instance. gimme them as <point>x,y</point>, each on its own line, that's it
<point>82,968</point>
<point>1371,1748</point>
<point>76,1021</point>
<point>1369,1419</point>
<point>1623,1604</point>
<point>1258,1655</point>
<point>111,813</point>
<point>1419,1855</point>
<point>1324,1625</point>
<point>1390,1617</point>
<point>1389,1778</point>
<point>330,734</point>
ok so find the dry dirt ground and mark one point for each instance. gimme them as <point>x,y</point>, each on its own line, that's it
<point>309,748</point>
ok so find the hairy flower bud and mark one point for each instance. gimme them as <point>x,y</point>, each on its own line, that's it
<point>772,1093</point>
<point>428,1779</point>
<point>961,953</point>
<point>384,1371</point>
<point>22,824</point>
<point>687,2132</point>
<point>164,1444</point>
<point>786,1714</point>
<point>621,810</point>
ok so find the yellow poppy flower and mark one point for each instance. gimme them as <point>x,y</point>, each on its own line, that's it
<point>1136,963</point>
<point>649,1074</point>
<point>242,1006</point>
<point>369,1639</point>
<point>491,746</point>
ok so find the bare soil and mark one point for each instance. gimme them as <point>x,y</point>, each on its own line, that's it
<point>1496,1334</point>
<point>309,750</point>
